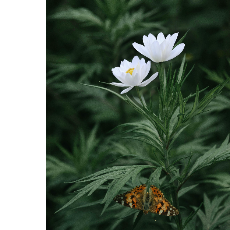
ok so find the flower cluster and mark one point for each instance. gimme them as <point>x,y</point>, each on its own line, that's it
<point>158,49</point>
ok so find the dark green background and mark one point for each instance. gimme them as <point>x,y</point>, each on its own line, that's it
<point>79,51</point>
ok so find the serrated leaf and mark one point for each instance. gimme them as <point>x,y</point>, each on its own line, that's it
<point>119,174</point>
<point>212,156</point>
<point>155,176</point>
<point>215,213</point>
<point>141,158</point>
<point>104,171</point>
<point>207,206</point>
<point>143,131</point>
<point>75,198</point>
<point>89,204</point>
<point>176,177</point>
<point>113,190</point>
<point>147,141</point>
<point>179,76</point>
<point>195,104</point>
<point>97,186</point>
<point>148,114</point>
<point>135,173</point>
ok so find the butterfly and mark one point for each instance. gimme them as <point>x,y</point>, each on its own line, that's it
<point>151,201</point>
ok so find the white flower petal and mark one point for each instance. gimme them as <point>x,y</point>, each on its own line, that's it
<point>118,84</point>
<point>152,38</point>
<point>129,79</point>
<point>148,44</point>
<point>141,49</point>
<point>164,44</point>
<point>173,39</point>
<point>168,37</point>
<point>139,73</point>
<point>145,40</point>
<point>148,67</point>
<point>126,90</point>
<point>144,83</point>
<point>142,61</point>
<point>126,64</point>
<point>176,51</point>
<point>166,49</point>
<point>160,49</point>
<point>117,73</point>
<point>146,70</point>
<point>136,79</point>
<point>135,61</point>
<point>156,52</point>
<point>160,37</point>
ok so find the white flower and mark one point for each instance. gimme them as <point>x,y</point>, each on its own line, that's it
<point>159,49</point>
<point>132,74</point>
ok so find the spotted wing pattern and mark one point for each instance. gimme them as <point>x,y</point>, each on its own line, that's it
<point>152,201</point>
<point>132,198</point>
<point>160,204</point>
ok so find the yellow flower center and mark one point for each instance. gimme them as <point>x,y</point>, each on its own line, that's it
<point>130,70</point>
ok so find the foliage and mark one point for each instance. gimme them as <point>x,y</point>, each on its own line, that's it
<point>215,213</point>
<point>85,39</point>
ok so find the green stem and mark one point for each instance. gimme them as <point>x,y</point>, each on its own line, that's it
<point>175,193</point>
<point>176,204</point>
<point>139,95</point>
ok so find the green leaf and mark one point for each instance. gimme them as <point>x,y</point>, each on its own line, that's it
<point>147,141</point>
<point>143,127</point>
<point>212,156</point>
<point>185,190</point>
<point>215,213</point>
<point>185,77</point>
<point>190,217</point>
<point>181,70</point>
<point>181,40</point>
<point>123,173</point>
<point>113,190</point>
<point>176,177</point>
<point>148,114</point>
<point>190,225</point>
<point>210,96</point>
<point>137,219</point>
<point>133,152</point>
<point>195,104</point>
<point>79,195</point>
<point>80,14</point>
<point>135,173</point>
<point>109,90</point>
<point>90,204</point>
<point>155,176</point>
<point>220,103</point>
<point>123,213</point>
<point>222,180</point>
<point>176,134</point>
<point>55,167</point>
<point>217,77</point>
